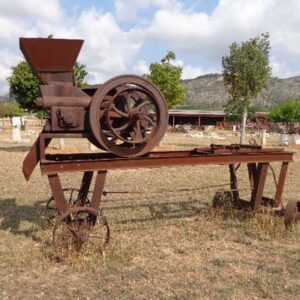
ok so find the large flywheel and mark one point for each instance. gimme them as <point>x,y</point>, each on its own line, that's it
<point>128,116</point>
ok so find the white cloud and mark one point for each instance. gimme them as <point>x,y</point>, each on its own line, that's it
<point>107,51</point>
<point>281,69</point>
<point>128,10</point>
<point>8,59</point>
<point>232,20</point>
<point>141,68</point>
<point>49,10</point>
<point>188,71</point>
<point>22,18</point>
<point>110,49</point>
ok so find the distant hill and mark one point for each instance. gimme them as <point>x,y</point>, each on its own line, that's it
<point>6,98</point>
<point>208,92</point>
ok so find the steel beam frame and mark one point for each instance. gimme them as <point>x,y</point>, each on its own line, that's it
<point>257,163</point>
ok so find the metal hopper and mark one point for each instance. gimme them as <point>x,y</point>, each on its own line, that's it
<point>52,60</point>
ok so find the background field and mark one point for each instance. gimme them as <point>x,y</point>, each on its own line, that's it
<point>167,243</point>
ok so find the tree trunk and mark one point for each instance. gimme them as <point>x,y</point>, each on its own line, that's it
<point>244,124</point>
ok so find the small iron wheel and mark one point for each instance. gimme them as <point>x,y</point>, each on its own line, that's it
<point>292,212</point>
<point>77,227</point>
<point>48,211</point>
<point>128,116</point>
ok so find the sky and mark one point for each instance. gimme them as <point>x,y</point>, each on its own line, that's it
<point>125,36</point>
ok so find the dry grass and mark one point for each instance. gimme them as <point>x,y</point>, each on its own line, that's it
<point>167,243</point>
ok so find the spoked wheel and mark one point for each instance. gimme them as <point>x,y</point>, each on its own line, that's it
<point>292,212</point>
<point>80,227</point>
<point>48,211</point>
<point>128,116</point>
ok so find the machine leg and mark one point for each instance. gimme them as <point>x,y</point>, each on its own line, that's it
<point>280,184</point>
<point>84,188</point>
<point>234,184</point>
<point>58,194</point>
<point>34,156</point>
<point>98,189</point>
<point>259,184</point>
<point>44,142</point>
<point>252,174</point>
<point>77,224</point>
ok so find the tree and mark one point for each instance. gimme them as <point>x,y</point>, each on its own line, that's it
<point>10,109</point>
<point>286,112</point>
<point>246,72</point>
<point>24,84</point>
<point>167,77</point>
<point>80,74</point>
<point>234,111</point>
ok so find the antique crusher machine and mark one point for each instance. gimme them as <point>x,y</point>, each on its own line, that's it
<point>126,117</point>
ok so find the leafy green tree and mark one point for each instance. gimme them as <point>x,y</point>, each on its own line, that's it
<point>246,72</point>
<point>286,112</point>
<point>10,109</point>
<point>234,111</point>
<point>24,84</point>
<point>167,77</point>
<point>80,74</point>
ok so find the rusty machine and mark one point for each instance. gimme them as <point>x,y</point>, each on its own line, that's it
<point>126,117</point>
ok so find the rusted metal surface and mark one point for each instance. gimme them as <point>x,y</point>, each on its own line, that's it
<point>101,161</point>
<point>33,158</point>
<point>127,117</point>
<point>79,227</point>
<point>259,184</point>
<point>132,113</point>
<point>98,190</point>
<point>234,183</point>
<point>252,173</point>
<point>76,227</point>
<point>82,198</point>
<point>51,59</point>
<point>280,183</point>
<point>57,192</point>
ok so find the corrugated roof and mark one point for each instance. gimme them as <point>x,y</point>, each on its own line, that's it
<point>197,112</point>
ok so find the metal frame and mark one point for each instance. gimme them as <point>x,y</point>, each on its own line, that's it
<point>257,160</point>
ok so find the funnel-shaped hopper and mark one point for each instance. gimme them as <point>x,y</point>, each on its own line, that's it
<point>47,56</point>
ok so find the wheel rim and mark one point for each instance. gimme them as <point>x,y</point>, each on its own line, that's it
<point>128,116</point>
<point>74,229</point>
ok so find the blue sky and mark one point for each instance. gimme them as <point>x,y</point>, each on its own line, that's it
<point>126,36</point>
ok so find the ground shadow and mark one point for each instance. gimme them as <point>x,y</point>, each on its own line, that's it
<point>12,214</point>
<point>16,148</point>
<point>164,210</point>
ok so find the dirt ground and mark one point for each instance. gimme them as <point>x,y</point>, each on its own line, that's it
<point>166,243</point>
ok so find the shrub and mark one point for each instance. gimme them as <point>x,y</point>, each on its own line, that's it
<point>285,112</point>
<point>41,114</point>
<point>10,109</point>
